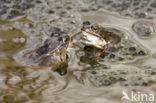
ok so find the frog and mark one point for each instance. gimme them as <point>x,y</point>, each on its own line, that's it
<point>106,42</point>
<point>99,36</point>
<point>101,40</point>
<point>51,53</point>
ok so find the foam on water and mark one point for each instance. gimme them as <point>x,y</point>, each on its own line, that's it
<point>88,80</point>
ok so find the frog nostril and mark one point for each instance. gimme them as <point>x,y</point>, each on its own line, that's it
<point>86,23</point>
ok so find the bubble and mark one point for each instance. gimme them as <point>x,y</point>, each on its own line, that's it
<point>143,29</point>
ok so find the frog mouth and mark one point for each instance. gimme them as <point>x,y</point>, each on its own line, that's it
<point>93,39</point>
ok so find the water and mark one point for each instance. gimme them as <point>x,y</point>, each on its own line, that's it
<point>88,79</point>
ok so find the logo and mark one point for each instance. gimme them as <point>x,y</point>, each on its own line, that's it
<point>137,97</point>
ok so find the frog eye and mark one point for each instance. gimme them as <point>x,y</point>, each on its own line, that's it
<point>94,28</point>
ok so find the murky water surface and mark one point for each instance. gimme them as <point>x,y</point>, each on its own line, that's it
<point>26,24</point>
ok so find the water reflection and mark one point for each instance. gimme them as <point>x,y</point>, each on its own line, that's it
<point>91,76</point>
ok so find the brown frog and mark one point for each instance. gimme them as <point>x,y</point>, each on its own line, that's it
<point>98,41</point>
<point>107,42</point>
<point>52,53</point>
<point>98,36</point>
